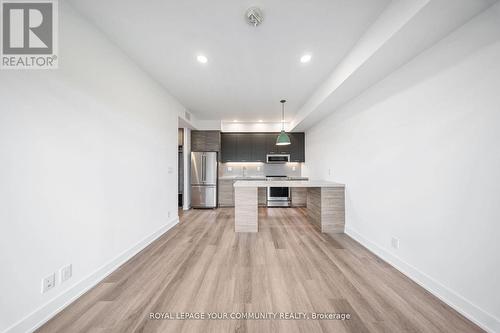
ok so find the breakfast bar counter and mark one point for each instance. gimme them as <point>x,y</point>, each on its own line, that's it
<point>325,203</point>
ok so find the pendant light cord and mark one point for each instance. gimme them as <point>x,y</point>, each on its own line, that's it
<point>283,115</point>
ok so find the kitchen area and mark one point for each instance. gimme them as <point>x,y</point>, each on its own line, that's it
<point>255,156</point>
<point>226,164</point>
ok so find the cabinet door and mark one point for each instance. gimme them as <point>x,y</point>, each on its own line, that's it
<point>259,148</point>
<point>226,193</point>
<point>212,141</point>
<point>197,141</point>
<point>228,147</point>
<point>286,149</point>
<point>271,147</point>
<point>205,141</point>
<point>244,147</point>
<point>297,147</point>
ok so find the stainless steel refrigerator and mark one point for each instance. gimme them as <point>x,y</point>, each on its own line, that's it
<point>204,179</point>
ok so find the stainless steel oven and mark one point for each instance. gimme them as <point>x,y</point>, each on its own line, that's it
<point>278,158</point>
<point>278,196</point>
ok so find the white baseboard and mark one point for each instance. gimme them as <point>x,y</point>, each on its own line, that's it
<point>40,316</point>
<point>472,312</point>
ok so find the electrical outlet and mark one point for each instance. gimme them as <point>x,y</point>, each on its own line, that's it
<point>294,168</point>
<point>66,273</point>
<point>48,283</point>
<point>259,168</point>
<point>229,169</point>
<point>395,243</point>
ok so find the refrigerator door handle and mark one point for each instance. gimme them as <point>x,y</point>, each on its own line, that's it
<point>203,168</point>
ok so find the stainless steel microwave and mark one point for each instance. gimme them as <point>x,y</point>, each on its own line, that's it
<point>278,158</point>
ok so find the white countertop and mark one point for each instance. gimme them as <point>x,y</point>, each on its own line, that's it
<point>253,178</point>
<point>286,183</point>
<point>243,178</point>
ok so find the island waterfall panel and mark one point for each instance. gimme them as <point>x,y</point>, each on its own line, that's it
<point>326,208</point>
<point>325,204</point>
<point>245,209</point>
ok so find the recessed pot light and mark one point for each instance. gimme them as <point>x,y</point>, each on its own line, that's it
<point>305,58</point>
<point>202,59</point>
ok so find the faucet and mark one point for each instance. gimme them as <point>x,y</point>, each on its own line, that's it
<point>244,171</point>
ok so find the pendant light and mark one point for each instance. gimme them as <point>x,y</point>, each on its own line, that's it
<point>283,139</point>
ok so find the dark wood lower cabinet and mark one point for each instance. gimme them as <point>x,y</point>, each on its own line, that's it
<point>226,194</point>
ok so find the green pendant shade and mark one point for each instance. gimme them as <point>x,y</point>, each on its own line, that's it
<point>283,139</point>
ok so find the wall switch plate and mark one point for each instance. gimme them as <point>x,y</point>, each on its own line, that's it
<point>168,214</point>
<point>66,272</point>
<point>395,243</point>
<point>329,172</point>
<point>229,169</point>
<point>48,283</point>
<point>170,169</point>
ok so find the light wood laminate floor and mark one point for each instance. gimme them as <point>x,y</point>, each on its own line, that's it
<point>201,265</point>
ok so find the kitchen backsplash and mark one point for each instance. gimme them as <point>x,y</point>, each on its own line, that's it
<point>259,169</point>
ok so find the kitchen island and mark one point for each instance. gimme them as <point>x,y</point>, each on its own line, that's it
<point>325,203</point>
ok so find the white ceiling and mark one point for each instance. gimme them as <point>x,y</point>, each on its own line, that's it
<point>249,69</point>
<point>405,30</point>
<point>354,44</point>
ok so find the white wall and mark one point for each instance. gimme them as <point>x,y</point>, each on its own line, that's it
<point>206,124</point>
<point>84,158</point>
<point>420,154</point>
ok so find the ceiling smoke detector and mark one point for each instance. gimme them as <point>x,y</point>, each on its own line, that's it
<point>254,16</point>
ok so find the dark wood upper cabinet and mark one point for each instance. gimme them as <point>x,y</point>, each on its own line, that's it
<point>229,142</point>
<point>271,147</point>
<point>205,140</point>
<point>244,147</point>
<point>253,147</point>
<point>297,147</point>
<point>259,147</point>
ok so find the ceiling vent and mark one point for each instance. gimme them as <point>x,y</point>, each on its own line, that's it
<point>254,16</point>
